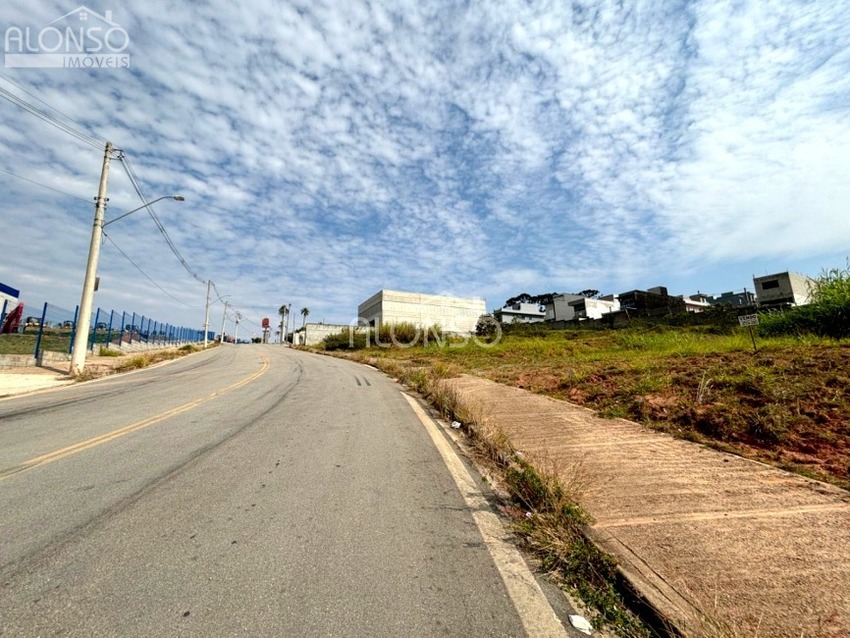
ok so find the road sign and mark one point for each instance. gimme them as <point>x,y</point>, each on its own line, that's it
<point>748,320</point>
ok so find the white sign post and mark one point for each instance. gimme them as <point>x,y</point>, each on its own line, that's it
<point>749,321</point>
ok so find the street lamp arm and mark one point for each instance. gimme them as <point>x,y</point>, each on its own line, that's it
<point>178,198</point>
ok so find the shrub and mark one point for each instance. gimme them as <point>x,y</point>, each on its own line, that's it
<point>487,328</point>
<point>403,333</point>
<point>831,295</point>
<point>828,315</point>
<point>346,339</point>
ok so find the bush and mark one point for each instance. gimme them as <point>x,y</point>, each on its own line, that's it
<point>401,334</point>
<point>828,315</point>
<point>487,328</point>
<point>795,322</point>
<point>345,339</point>
<point>831,295</point>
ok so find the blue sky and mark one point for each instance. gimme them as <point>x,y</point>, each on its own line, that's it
<point>327,150</point>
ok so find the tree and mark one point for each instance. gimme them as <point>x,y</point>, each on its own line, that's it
<point>487,327</point>
<point>282,311</point>
<point>304,313</point>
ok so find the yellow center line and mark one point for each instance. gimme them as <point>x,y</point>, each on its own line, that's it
<point>44,459</point>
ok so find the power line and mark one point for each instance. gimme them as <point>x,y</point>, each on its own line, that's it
<point>68,125</point>
<point>93,134</point>
<point>131,174</point>
<point>127,257</point>
<point>48,117</point>
<point>56,190</point>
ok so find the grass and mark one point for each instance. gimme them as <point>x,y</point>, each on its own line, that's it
<point>786,405</point>
<point>25,343</point>
<point>544,510</point>
<point>135,361</point>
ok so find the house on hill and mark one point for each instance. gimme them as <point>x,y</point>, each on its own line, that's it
<point>783,289</point>
<point>521,313</point>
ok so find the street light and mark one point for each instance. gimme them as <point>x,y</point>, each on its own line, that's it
<point>177,198</point>
<point>78,355</point>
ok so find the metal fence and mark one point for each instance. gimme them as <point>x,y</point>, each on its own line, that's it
<point>55,328</point>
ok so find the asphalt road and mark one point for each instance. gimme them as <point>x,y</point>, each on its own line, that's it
<point>242,491</point>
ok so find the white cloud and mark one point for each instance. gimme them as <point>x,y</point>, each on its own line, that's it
<point>327,150</point>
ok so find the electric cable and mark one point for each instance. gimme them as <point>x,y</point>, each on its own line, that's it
<point>127,257</point>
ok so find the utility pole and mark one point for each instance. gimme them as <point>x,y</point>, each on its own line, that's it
<point>207,314</point>
<point>223,321</point>
<point>236,330</point>
<point>78,355</point>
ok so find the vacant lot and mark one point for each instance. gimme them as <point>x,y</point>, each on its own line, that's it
<point>788,404</point>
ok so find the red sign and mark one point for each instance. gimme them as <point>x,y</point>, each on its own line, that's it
<point>265,322</point>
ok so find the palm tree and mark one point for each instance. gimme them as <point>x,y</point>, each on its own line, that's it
<point>283,311</point>
<point>304,313</point>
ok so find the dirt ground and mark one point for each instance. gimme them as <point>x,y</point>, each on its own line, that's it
<point>790,408</point>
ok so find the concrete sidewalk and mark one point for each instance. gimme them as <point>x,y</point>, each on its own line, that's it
<point>760,551</point>
<point>23,380</point>
<point>15,381</point>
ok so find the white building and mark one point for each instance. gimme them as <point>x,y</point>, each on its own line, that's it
<point>559,309</point>
<point>587,308</point>
<point>696,303</point>
<point>521,313</point>
<point>314,333</point>
<point>452,314</point>
<point>783,288</point>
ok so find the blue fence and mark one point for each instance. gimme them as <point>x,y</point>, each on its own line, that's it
<point>55,328</point>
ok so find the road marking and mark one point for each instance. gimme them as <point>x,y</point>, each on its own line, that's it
<point>534,610</point>
<point>56,455</point>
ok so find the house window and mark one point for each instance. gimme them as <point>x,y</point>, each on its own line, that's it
<point>769,285</point>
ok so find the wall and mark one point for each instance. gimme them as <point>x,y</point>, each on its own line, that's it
<point>594,308</point>
<point>784,287</point>
<point>453,314</point>
<point>316,332</point>
<point>560,309</point>
<point>520,313</point>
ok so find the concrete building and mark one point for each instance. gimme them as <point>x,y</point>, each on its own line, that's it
<point>521,313</point>
<point>783,289</point>
<point>743,299</point>
<point>559,309</point>
<point>452,314</point>
<point>314,333</point>
<point>696,303</point>
<point>588,308</point>
<point>651,303</point>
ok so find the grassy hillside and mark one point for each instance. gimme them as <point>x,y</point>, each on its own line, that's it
<point>788,404</point>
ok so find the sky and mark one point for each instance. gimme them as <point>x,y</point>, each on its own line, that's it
<point>327,150</point>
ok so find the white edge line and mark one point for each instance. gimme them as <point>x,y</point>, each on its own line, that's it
<point>537,615</point>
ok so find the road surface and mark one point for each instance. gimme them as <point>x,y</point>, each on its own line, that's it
<point>243,491</point>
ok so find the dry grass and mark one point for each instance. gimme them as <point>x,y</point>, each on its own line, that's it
<point>545,512</point>
<point>785,405</point>
<point>126,363</point>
